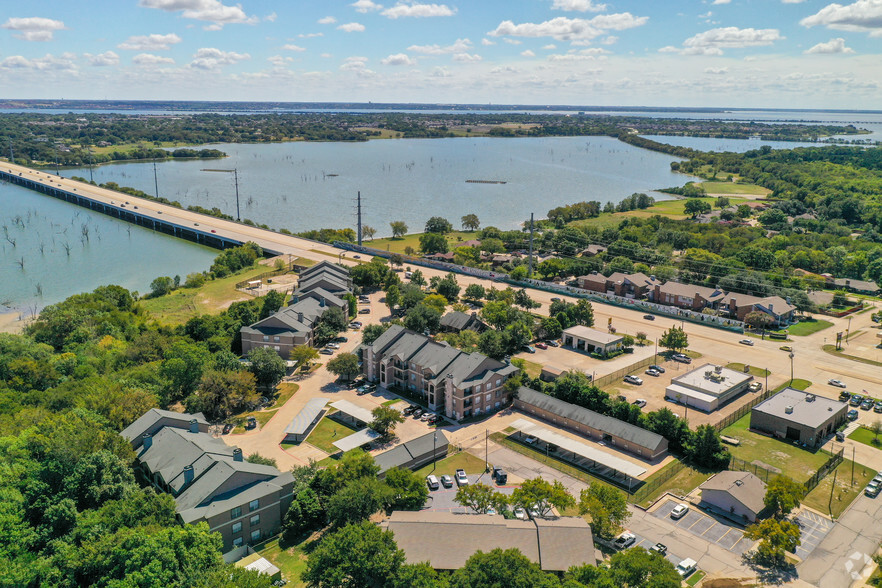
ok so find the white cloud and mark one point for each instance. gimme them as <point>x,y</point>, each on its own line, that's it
<point>527,53</point>
<point>148,59</point>
<point>578,5</point>
<point>279,60</point>
<point>722,1</point>
<point>487,42</point>
<point>351,27</point>
<point>357,65</point>
<point>211,58</point>
<point>571,29</point>
<point>34,28</point>
<point>512,41</point>
<point>610,40</point>
<point>458,46</point>
<point>326,55</point>
<point>212,11</point>
<point>48,62</point>
<point>831,47</point>
<point>364,6</point>
<point>589,54</point>
<point>398,59</point>
<point>416,10</point>
<point>290,47</point>
<point>149,42</point>
<point>441,72</point>
<point>550,47</point>
<point>719,71</point>
<point>105,59</point>
<point>861,16</point>
<point>309,35</point>
<point>466,57</point>
<point>714,41</point>
<point>506,69</point>
<point>327,20</point>
<point>271,17</point>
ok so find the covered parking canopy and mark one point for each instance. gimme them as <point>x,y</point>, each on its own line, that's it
<point>356,440</point>
<point>586,452</point>
<point>353,411</point>
<point>305,419</point>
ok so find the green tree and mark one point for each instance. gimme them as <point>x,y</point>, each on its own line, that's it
<point>393,297</point>
<point>436,302</point>
<point>304,355</point>
<point>665,423</point>
<point>448,287</point>
<point>368,232</point>
<point>758,320</point>
<point>492,344</point>
<point>541,496</point>
<point>438,224</point>
<point>304,515</point>
<point>694,206</point>
<point>470,222</point>
<point>97,478</point>
<point>182,368</point>
<point>417,278</point>
<point>409,491</point>
<point>385,419</point>
<point>422,318</point>
<point>519,273</point>
<point>636,568</point>
<point>474,292</point>
<point>480,497</point>
<point>433,243</point>
<point>783,495</point>
<point>356,556</point>
<point>221,394</point>
<point>583,313</point>
<point>266,365</point>
<point>706,449</point>
<point>161,286</point>
<point>674,339</point>
<point>261,460</point>
<point>399,229</point>
<point>550,268</point>
<point>551,327</point>
<point>607,507</point>
<point>501,569</point>
<point>371,332</point>
<point>344,365</point>
<point>522,299</point>
<point>776,537</point>
<point>420,575</point>
<point>357,501</point>
<point>772,218</point>
<point>271,303</point>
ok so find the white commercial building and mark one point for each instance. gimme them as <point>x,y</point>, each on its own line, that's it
<point>707,388</point>
<point>590,340</point>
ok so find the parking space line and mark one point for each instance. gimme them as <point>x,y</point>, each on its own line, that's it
<point>724,534</point>
<point>695,523</point>
<point>709,528</point>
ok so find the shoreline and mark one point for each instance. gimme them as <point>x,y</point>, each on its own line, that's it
<point>12,321</point>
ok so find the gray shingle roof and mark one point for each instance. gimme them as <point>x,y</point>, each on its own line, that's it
<point>651,441</point>
<point>148,420</point>
<point>690,290</point>
<point>460,320</point>
<point>744,487</point>
<point>325,267</point>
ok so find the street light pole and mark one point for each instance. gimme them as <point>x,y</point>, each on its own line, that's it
<point>791,368</point>
<point>235,172</point>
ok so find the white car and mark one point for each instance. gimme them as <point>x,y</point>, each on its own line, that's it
<point>686,567</point>
<point>837,383</point>
<point>746,342</point>
<point>640,403</point>
<point>625,540</point>
<point>520,513</point>
<point>679,510</point>
<point>462,478</point>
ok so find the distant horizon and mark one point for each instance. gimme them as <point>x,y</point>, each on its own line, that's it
<point>368,105</point>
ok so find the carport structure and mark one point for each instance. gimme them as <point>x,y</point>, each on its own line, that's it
<point>305,420</point>
<point>351,414</point>
<point>597,462</point>
<point>354,440</point>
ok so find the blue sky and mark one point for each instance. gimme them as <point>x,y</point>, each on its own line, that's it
<point>739,53</point>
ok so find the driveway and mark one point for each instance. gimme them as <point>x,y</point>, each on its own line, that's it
<point>524,468</point>
<point>708,528</point>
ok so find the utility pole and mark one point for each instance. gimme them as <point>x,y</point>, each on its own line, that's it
<point>486,450</point>
<point>234,171</point>
<point>832,488</point>
<point>155,181</point>
<point>90,166</point>
<point>359,218</point>
<point>11,154</point>
<point>530,259</point>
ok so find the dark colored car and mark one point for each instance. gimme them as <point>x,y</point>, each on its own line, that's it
<point>251,423</point>
<point>649,317</point>
<point>852,415</point>
<point>657,368</point>
<point>844,396</point>
<point>227,428</point>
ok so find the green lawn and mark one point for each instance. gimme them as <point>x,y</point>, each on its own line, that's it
<point>398,245</point>
<point>262,416</point>
<point>683,482</point>
<point>733,188</point>
<point>449,465</point>
<point>669,208</point>
<point>866,436</point>
<point>290,559</point>
<point>831,349</point>
<point>844,493</point>
<point>286,391</point>
<point>695,578</point>
<point>794,462</point>
<point>796,384</point>
<point>391,402</point>
<point>753,371</point>
<point>326,432</point>
<point>532,368</point>
<point>809,327</point>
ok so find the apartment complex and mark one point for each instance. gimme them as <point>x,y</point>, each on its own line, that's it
<point>319,288</point>
<point>452,382</point>
<point>209,480</point>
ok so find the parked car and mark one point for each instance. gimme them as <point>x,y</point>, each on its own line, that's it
<point>553,343</point>
<point>426,416</point>
<point>636,380</point>
<point>530,440</point>
<point>418,413</point>
<point>541,345</point>
<point>840,436</point>
<point>250,423</point>
<point>755,387</point>
<point>491,511</point>
<point>649,317</point>
<point>856,400</point>
<point>364,311</point>
<point>872,489</point>
<point>657,368</point>
<point>362,390</point>
<point>555,299</point>
<point>624,540</point>
<point>867,404</point>
<point>679,510</point>
<point>432,482</point>
<point>786,348</point>
<point>520,513</point>
<point>332,346</point>
<point>409,409</point>
<point>639,403</point>
<point>878,406</point>
<point>746,342</point>
<point>844,396</point>
<point>461,478</point>
<point>435,418</point>
<point>227,428</point>
<point>341,340</point>
<point>681,358</point>
<point>686,567</point>
<point>852,415</point>
<point>653,373</point>
<point>837,383</point>
<point>326,351</point>
<point>446,481</point>
<point>659,548</point>
<point>529,349</point>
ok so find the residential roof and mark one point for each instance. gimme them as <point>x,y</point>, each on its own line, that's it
<point>353,410</point>
<point>306,416</point>
<point>638,279</point>
<point>594,278</point>
<point>356,439</point>
<point>860,285</point>
<point>150,419</point>
<point>807,409</point>
<point>325,267</point>
<point>555,545</point>
<point>690,290</point>
<point>603,458</point>
<point>334,282</point>
<point>320,294</point>
<point>461,320</point>
<point>411,450</point>
<point>744,487</point>
<point>612,426</point>
<point>583,332</point>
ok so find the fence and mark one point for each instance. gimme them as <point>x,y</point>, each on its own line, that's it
<point>726,421</point>
<point>656,481</point>
<point>825,469</point>
<point>764,474</point>
<point>291,266</point>
<point>621,373</point>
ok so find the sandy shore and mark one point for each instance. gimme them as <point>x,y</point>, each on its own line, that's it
<point>10,322</point>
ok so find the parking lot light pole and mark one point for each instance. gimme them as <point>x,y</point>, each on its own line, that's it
<point>791,368</point>
<point>434,449</point>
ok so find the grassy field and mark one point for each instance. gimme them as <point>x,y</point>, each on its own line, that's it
<point>413,240</point>
<point>290,559</point>
<point>684,482</point>
<point>262,416</point>
<point>809,327</point>
<point>734,189</point>
<point>831,349</point>
<point>532,368</point>
<point>753,371</point>
<point>844,493</point>
<point>123,147</point>
<point>670,208</point>
<point>866,436</point>
<point>449,465</point>
<point>185,303</point>
<point>326,432</point>
<point>286,391</point>
<point>794,462</point>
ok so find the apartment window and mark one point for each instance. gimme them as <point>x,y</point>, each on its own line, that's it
<point>266,337</point>
<point>253,505</point>
<point>499,382</point>
<point>255,536</point>
<point>236,512</point>
<point>487,398</point>
<point>276,347</point>
<point>237,542</point>
<point>237,527</point>
<point>276,339</point>
<point>412,377</point>
<point>498,392</point>
<point>255,520</point>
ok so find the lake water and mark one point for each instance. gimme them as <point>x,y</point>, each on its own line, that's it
<point>302,186</point>
<point>116,252</point>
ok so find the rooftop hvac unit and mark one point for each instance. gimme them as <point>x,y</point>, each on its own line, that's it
<point>718,369</point>
<point>708,373</point>
<point>810,398</point>
<point>788,410</point>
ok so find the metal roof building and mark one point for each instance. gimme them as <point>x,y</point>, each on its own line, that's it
<point>307,418</point>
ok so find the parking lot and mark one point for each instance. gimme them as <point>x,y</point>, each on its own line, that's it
<point>814,528</point>
<point>728,537</point>
<point>442,499</point>
<point>646,544</point>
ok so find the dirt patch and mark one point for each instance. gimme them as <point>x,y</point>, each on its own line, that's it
<point>727,583</point>
<point>780,455</point>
